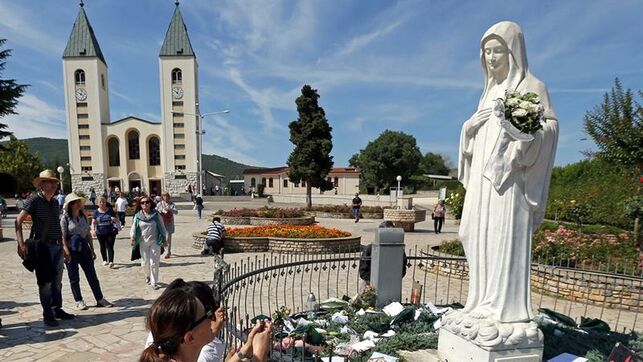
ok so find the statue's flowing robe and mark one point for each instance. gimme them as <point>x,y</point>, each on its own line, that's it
<point>507,182</point>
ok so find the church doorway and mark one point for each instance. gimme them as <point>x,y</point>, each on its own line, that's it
<point>114,184</point>
<point>155,187</point>
<point>135,182</point>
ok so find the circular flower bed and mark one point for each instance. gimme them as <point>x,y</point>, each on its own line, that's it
<point>286,239</point>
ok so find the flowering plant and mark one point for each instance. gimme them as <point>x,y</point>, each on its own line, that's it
<point>288,231</point>
<point>524,111</point>
<point>455,202</point>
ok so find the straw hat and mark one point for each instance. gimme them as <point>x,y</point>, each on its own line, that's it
<point>71,198</point>
<point>46,175</point>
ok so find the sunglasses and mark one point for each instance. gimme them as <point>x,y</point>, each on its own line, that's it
<point>146,202</point>
<point>209,313</point>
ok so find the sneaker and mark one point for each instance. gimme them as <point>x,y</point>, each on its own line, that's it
<point>167,256</point>
<point>105,262</point>
<point>111,265</point>
<point>61,314</point>
<point>147,280</point>
<point>155,286</point>
<point>80,305</point>
<point>50,322</point>
<point>104,303</point>
<point>205,252</point>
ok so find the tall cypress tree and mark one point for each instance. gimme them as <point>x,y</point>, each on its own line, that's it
<point>310,161</point>
<point>10,91</point>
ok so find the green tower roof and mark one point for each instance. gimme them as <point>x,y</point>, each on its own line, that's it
<point>177,42</point>
<point>82,41</point>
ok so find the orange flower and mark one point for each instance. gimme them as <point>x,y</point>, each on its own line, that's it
<point>287,231</point>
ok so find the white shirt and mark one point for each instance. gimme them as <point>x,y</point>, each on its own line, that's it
<point>121,204</point>
<point>211,352</point>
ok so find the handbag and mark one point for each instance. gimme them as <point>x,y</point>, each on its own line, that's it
<point>136,253</point>
<point>432,216</point>
<point>30,262</point>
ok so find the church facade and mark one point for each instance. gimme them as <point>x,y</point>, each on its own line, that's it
<point>129,153</point>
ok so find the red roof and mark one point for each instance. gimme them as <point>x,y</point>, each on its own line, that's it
<point>283,170</point>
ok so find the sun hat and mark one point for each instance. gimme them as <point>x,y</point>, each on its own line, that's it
<point>46,175</point>
<point>71,198</point>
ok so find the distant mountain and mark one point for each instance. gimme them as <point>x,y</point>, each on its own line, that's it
<point>53,150</point>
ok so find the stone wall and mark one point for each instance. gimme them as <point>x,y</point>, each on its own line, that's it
<point>284,245</point>
<point>330,199</point>
<point>338,215</point>
<point>257,221</point>
<point>405,219</point>
<point>621,292</point>
<point>176,186</point>
<point>97,182</point>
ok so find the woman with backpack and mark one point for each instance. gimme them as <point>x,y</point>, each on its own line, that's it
<point>78,240</point>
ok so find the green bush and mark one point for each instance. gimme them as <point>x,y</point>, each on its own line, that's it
<point>598,190</point>
<point>455,202</point>
<point>453,247</point>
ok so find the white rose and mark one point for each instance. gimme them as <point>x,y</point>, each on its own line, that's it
<point>534,108</point>
<point>511,102</point>
<point>519,112</point>
<point>536,99</point>
<point>525,105</point>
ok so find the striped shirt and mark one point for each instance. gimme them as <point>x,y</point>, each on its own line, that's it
<point>44,214</point>
<point>216,231</point>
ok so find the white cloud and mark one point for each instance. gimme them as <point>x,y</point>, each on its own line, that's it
<point>15,26</point>
<point>363,40</point>
<point>37,118</point>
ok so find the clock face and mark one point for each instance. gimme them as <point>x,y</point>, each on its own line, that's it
<point>177,93</point>
<point>81,94</point>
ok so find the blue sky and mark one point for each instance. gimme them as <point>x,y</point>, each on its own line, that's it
<point>408,66</point>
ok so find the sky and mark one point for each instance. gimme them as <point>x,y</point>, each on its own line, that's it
<point>410,66</point>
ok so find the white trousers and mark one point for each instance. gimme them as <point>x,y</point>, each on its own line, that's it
<point>150,260</point>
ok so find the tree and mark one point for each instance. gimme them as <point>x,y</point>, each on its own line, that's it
<point>10,91</point>
<point>20,163</point>
<point>430,164</point>
<point>390,155</point>
<point>615,127</point>
<point>310,161</point>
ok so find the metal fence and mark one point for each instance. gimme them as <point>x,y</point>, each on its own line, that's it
<point>264,283</point>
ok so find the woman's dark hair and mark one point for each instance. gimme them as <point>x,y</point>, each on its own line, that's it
<point>168,319</point>
<point>204,293</point>
<point>138,206</point>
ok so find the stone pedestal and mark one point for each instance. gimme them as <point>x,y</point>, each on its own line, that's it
<point>453,348</point>
<point>387,263</point>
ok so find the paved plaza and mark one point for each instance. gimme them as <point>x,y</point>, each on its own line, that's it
<point>118,333</point>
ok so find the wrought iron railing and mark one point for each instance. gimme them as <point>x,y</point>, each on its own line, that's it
<point>266,282</point>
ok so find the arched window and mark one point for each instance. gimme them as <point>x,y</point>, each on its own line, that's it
<point>79,76</point>
<point>253,182</point>
<point>154,149</point>
<point>113,151</point>
<point>133,145</point>
<point>177,76</point>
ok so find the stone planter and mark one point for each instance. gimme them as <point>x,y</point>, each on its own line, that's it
<point>258,221</point>
<point>283,245</point>
<point>341,215</point>
<point>405,219</point>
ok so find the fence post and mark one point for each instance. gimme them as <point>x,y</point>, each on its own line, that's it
<point>387,259</point>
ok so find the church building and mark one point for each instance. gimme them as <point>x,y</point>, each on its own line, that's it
<point>151,155</point>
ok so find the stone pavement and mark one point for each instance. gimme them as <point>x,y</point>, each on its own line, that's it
<point>118,333</point>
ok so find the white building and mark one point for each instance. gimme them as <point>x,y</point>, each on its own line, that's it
<point>154,155</point>
<point>276,181</point>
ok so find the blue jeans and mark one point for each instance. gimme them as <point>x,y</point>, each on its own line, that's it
<point>199,210</point>
<point>50,293</point>
<point>83,259</point>
<point>355,213</point>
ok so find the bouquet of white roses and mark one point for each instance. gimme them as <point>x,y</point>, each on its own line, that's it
<point>524,111</point>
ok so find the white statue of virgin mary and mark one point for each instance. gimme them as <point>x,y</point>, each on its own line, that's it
<point>506,176</point>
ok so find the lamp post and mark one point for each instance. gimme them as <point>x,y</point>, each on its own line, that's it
<point>397,191</point>
<point>61,170</point>
<point>200,132</point>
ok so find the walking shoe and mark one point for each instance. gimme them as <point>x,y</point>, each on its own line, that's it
<point>147,280</point>
<point>356,220</point>
<point>104,262</point>
<point>205,252</point>
<point>167,256</point>
<point>111,265</point>
<point>155,286</point>
<point>61,314</point>
<point>104,303</point>
<point>80,305</point>
<point>50,322</point>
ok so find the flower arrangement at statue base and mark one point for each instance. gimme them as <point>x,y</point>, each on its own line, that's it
<point>351,328</point>
<point>287,231</point>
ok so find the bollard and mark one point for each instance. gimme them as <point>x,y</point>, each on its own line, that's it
<point>387,263</point>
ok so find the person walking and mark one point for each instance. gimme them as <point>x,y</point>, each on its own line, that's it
<point>438,216</point>
<point>198,205</point>
<point>46,253</point>
<point>214,237</point>
<point>61,199</point>
<point>357,206</point>
<point>103,227</point>
<point>92,196</point>
<point>148,234</point>
<point>121,208</point>
<point>167,209</point>
<point>78,239</point>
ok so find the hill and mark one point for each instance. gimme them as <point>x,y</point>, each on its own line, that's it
<point>54,151</point>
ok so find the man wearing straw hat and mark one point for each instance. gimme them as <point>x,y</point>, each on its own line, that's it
<point>47,244</point>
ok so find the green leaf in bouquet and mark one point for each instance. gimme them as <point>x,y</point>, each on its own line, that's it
<point>260,317</point>
<point>405,315</point>
<point>333,304</point>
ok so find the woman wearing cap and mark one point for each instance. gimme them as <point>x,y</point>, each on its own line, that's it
<point>148,234</point>
<point>78,239</point>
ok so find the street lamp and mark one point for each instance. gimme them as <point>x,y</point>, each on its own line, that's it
<point>200,132</point>
<point>397,191</point>
<point>61,170</point>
